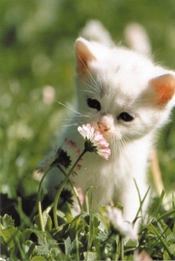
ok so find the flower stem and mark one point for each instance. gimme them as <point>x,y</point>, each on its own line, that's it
<point>55,204</point>
<point>40,216</point>
<point>39,201</point>
<point>73,187</point>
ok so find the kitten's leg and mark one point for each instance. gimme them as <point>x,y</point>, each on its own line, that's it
<point>131,201</point>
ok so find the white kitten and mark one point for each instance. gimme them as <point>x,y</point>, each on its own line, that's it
<point>127,98</point>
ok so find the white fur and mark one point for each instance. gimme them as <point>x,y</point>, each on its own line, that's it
<point>118,79</point>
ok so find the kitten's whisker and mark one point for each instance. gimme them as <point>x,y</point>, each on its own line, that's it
<point>70,125</point>
<point>69,108</point>
<point>88,91</point>
<point>79,113</point>
<point>114,148</point>
<point>122,145</point>
<point>83,116</point>
<point>94,88</point>
<point>92,78</point>
<point>96,85</point>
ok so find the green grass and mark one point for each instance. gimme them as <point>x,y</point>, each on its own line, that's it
<point>37,50</point>
<point>86,236</point>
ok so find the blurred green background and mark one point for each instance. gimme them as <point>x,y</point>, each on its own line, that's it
<point>37,50</point>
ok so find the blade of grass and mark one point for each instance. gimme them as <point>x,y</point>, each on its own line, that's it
<point>140,200</point>
<point>161,238</point>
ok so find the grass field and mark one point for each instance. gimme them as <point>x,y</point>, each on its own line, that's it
<point>37,51</point>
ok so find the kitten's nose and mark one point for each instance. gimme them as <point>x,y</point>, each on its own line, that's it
<point>102,127</point>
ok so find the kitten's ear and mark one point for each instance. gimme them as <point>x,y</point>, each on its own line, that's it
<point>84,55</point>
<point>163,88</point>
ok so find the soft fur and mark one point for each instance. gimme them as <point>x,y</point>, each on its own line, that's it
<point>121,81</point>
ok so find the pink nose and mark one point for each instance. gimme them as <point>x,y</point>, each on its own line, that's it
<point>102,127</point>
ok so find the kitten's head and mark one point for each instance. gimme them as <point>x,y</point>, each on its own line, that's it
<point>123,94</point>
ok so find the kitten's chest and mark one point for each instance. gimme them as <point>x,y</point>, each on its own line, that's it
<point>96,171</point>
<point>122,167</point>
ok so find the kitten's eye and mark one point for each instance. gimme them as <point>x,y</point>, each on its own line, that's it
<point>125,116</point>
<point>92,103</point>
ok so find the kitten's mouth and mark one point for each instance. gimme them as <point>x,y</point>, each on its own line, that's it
<point>103,129</point>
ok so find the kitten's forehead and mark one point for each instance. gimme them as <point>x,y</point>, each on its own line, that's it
<point>117,100</point>
<point>123,71</point>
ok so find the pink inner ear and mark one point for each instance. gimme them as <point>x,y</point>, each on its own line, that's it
<point>165,88</point>
<point>83,57</point>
